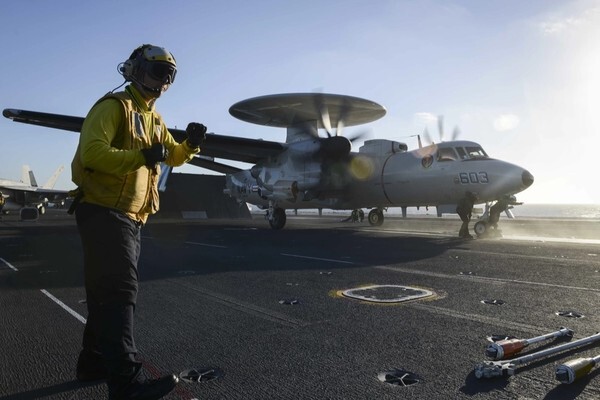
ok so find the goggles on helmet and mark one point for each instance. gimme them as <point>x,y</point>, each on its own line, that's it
<point>162,72</point>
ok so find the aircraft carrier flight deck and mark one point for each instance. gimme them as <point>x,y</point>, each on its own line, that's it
<point>322,309</point>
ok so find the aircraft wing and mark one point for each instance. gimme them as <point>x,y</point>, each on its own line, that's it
<point>31,189</point>
<point>57,121</point>
<point>203,162</point>
<point>233,147</point>
<point>218,146</point>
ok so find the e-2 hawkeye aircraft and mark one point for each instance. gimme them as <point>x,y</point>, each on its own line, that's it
<point>310,171</point>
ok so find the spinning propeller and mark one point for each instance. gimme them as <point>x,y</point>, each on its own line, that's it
<point>440,124</point>
<point>341,114</point>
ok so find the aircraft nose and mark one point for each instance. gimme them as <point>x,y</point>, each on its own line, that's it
<point>527,178</point>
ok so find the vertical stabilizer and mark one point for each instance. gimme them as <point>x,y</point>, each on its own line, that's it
<point>52,181</point>
<point>27,176</point>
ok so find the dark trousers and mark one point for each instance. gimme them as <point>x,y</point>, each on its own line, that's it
<point>464,228</point>
<point>111,248</point>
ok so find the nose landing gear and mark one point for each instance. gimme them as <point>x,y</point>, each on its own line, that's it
<point>480,228</point>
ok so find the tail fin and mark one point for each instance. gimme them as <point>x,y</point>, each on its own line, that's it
<point>27,176</point>
<point>52,181</point>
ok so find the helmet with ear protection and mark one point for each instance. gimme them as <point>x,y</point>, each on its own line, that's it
<point>126,69</point>
<point>151,66</point>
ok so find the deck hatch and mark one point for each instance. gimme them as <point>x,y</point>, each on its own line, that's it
<point>387,293</point>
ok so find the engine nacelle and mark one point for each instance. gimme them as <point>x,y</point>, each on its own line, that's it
<point>382,147</point>
<point>281,190</point>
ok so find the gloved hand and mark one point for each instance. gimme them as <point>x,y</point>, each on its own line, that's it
<point>196,134</point>
<point>155,154</point>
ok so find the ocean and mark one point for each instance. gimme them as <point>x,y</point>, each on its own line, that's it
<point>586,211</point>
<point>565,211</point>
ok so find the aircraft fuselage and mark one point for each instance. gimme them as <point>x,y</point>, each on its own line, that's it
<point>382,174</point>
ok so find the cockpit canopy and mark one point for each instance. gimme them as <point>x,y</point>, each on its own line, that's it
<point>456,151</point>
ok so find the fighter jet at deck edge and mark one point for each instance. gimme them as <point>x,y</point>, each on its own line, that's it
<point>27,197</point>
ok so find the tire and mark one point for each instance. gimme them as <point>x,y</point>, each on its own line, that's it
<point>480,228</point>
<point>375,217</point>
<point>279,218</point>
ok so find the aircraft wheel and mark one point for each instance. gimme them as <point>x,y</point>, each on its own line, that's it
<point>375,217</point>
<point>279,218</point>
<point>480,228</point>
<point>42,210</point>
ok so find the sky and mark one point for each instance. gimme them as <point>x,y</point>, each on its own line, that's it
<point>520,78</point>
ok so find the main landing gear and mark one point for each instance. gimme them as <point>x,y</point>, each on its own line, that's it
<point>276,217</point>
<point>375,217</point>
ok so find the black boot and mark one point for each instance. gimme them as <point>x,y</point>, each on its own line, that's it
<point>90,367</point>
<point>136,387</point>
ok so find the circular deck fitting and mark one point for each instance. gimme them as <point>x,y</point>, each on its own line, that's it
<point>201,375</point>
<point>293,109</point>
<point>470,273</point>
<point>289,302</point>
<point>493,302</point>
<point>399,377</point>
<point>569,314</point>
<point>387,293</point>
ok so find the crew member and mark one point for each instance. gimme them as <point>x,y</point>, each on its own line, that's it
<point>464,210</point>
<point>116,168</point>
<point>501,205</point>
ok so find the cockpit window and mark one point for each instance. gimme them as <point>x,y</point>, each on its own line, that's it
<point>462,154</point>
<point>446,154</point>
<point>476,152</point>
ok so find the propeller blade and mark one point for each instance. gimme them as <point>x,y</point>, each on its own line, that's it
<point>426,136</point>
<point>455,133</point>
<point>325,120</point>
<point>441,127</point>
<point>339,128</point>
<point>321,108</point>
<point>358,135</point>
<point>342,117</point>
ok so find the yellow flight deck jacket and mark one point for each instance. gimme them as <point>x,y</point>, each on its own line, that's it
<point>109,168</point>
